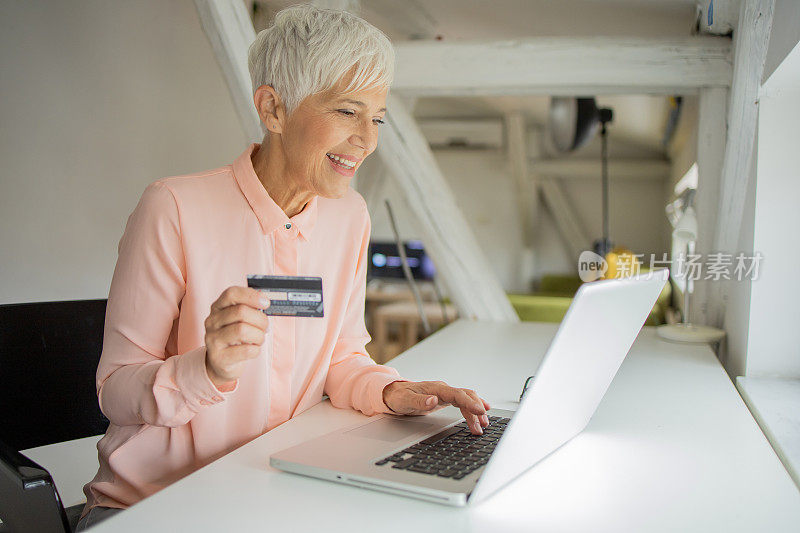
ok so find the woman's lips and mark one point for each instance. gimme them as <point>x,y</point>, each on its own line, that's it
<point>340,169</point>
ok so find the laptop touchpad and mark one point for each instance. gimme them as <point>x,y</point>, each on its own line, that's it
<point>390,429</point>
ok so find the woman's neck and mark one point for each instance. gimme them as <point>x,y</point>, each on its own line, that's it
<point>283,190</point>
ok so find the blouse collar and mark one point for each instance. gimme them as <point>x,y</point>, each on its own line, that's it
<point>269,214</point>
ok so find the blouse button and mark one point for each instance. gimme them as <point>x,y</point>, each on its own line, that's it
<point>288,226</point>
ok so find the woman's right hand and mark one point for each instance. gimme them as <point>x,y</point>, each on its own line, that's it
<point>235,331</point>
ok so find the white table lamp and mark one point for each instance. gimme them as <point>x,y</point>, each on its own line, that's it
<point>684,238</point>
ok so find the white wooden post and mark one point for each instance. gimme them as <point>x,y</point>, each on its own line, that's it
<point>470,280</point>
<point>751,42</point>
<point>517,143</point>
<point>711,132</point>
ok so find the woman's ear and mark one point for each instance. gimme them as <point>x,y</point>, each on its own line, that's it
<point>270,108</point>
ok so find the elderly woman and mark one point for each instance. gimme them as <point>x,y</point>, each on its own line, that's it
<point>182,386</point>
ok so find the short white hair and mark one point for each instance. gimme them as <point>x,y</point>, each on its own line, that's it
<point>307,50</point>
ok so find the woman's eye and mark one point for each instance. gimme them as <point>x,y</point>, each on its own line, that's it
<point>346,112</point>
<point>378,121</point>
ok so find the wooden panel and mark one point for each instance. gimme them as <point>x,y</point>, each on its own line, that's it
<point>558,65</point>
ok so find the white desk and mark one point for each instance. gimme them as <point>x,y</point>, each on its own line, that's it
<point>72,464</point>
<point>671,448</point>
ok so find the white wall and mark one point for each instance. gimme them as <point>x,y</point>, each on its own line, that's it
<point>773,347</point>
<point>99,98</point>
<point>784,35</point>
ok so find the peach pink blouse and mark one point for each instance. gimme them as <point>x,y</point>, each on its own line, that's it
<point>189,238</point>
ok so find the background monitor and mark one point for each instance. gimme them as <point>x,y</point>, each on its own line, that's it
<point>384,261</point>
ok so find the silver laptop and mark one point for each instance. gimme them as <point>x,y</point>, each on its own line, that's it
<point>435,457</point>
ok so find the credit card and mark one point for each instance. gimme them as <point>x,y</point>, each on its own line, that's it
<point>290,295</point>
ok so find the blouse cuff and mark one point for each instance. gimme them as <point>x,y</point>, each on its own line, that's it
<point>194,383</point>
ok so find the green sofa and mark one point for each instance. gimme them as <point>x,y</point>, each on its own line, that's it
<point>551,301</point>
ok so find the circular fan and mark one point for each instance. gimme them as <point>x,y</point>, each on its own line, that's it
<point>573,122</point>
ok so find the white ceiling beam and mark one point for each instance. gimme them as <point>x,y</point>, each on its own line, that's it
<point>618,169</point>
<point>230,31</point>
<point>751,40</point>
<point>557,65</point>
<point>463,268</point>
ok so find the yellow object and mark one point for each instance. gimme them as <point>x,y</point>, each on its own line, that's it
<point>622,263</point>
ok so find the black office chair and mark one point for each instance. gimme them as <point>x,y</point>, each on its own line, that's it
<point>49,353</point>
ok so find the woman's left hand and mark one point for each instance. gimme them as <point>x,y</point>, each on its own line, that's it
<point>422,397</point>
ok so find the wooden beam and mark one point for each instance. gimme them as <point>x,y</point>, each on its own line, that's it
<point>751,41</point>
<point>618,169</point>
<point>711,134</point>
<point>566,218</point>
<point>563,66</point>
<point>230,32</point>
<point>471,282</point>
<point>526,194</point>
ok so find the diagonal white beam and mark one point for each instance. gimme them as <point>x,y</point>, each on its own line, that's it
<point>572,235</point>
<point>230,32</point>
<point>448,239</point>
<point>560,65</point>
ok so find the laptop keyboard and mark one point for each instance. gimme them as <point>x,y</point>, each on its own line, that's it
<point>452,453</point>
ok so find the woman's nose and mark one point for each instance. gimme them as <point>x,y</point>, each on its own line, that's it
<point>366,137</point>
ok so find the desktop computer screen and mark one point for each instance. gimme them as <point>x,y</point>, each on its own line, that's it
<point>385,263</point>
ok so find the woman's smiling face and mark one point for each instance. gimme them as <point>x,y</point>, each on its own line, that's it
<point>328,136</point>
